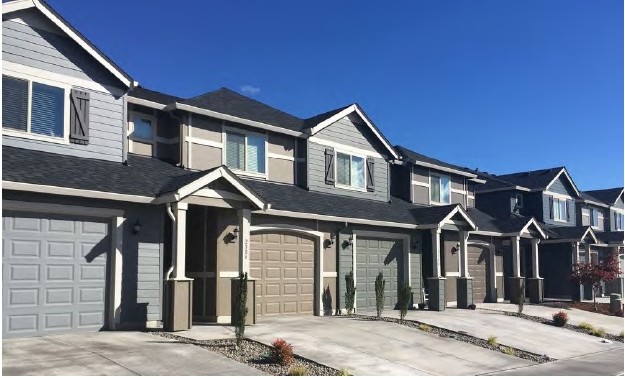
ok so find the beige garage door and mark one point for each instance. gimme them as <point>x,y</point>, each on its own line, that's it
<point>284,266</point>
<point>478,269</point>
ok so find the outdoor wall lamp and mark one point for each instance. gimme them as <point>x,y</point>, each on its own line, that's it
<point>330,241</point>
<point>455,249</point>
<point>136,228</point>
<point>416,245</point>
<point>348,242</point>
<point>234,234</point>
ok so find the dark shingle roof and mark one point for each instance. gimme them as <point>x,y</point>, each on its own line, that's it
<point>565,232</point>
<point>293,198</point>
<point>154,96</point>
<point>611,236</point>
<point>315,120</point>
<point>142,176</point>
<point>587,197</point>
<point>492,182</point>
<point>607,196</point>
<point>413,156</point>
<point>485,222</point>
<point>226,101</point>
<point>531,179</point>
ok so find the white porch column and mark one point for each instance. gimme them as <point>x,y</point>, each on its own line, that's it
<point>245,218</point>
<point>516,256</point>
<point>436,252</point>
<point>179,240</point>
<point>464,254</point>
<point>587,251</point>
<point>535,271</point>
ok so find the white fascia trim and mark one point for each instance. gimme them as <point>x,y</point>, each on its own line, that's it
<point>512,187</point>
<point>17,5</point>
<point>485,233</point>
<point>230,118</point>
<point>478,180</point>
<point>532,221</point>
<point>465,215</point>
<point>220,172</point>
<point>126,80</point>
<point>443,169</point>
<point>345,112</point>
<point>563,170</point>
<point>55,208</point>
<point>146,103</point>
<point>332,218</point>
<point>58,190</point>
<point>617,209</point>
<point>556,195</point>
<point>591,202</point>
<point>345,148</point>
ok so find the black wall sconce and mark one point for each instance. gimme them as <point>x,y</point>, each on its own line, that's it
<point>348,242</point>
<point>329,242</point>
<point>455,249</point>
<point>136,227</point>
<point>233,235</point>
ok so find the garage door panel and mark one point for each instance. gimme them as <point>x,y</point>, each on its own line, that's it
<point>287,283</point>
<point>478,257</point>
<point>54,274</point>
<point>375,255</point>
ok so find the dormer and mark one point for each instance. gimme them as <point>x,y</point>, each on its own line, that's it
<point>611,201</point>
<point>60,93</point>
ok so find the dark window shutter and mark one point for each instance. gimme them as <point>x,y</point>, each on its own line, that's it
<point>79,117</point>
<point>550,207</point>
<point>568,213</point>
<point>370,174</point>
<point>330,166</point>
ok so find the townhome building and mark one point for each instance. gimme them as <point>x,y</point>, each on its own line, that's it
<point>573,221</point>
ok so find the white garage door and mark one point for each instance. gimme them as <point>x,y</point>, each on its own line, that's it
<point>53,274</point>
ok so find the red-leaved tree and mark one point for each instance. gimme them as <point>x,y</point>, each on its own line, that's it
<point>592,274</point>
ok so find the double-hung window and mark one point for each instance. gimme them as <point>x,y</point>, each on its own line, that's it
<point>350,170</point>
<point>618,221</point>
<point>585,217</point>
<point>559,209</point>
<point>596,219</point>
<point>32,108</point>
<point>142,134</point>
<point>440,189</point>
<point>246,152</point>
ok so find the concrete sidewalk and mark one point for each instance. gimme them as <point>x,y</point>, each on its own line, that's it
<point>113,353</point>
<point>612,324</point>
<point>367,347</point>
<point>516,332</point>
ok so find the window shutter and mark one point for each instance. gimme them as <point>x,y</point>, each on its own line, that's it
<point>79,117</point>
<point>568,213</point>
<point>550,207</point>
<point>370,174</point>
<point>330,166</point>
<point>615,221</point>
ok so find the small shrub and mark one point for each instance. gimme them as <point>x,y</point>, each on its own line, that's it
<point>620,335</point>
<point>403,297</point>
<point>298,370</point>
<point>241,310</point>
<point>521,298</point>
<point>508,350</point>
<point>471,306</point>
<point>425,327</point>
<point>380,282</point>
<point>599,332</point>
<point>492,341</point>
<point>586,326</point>
<point>560,319</point>
<point>343,372</point>
<point>282,352</point>
<point>619,312</point>
<point>350,292</point>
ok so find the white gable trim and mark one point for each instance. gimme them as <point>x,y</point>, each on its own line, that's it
<point>221,172</point>
<point>563,170</point>
<point>532,221</point>
<point>463,213</point>
<point>592,233</point>
<point>344,113</point>
<point>64,26</point>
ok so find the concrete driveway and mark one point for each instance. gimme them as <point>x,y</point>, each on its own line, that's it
<point>113,353</point>
<point>366,347</point>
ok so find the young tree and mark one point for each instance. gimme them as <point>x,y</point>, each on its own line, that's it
<point>404,294</point>
<point>593,274</point>
<point>241,310</point>
<point>380,282</point>
<point>350,293</point>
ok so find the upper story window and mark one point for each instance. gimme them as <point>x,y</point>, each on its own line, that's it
<point>350,170</point>
<point>585,217</point>
<point>143,128</point>
<point>560,209</point>
<point>596,218</point>
<point>142,134</point>
<point>440,189</point>
<point>246,152</point>
<point>33,109</point>
<point>618,221</point>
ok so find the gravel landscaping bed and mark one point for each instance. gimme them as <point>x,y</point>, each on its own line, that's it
<point>255,354</point>
<point>602,308</point>
<point>571,327</point>
<point>443,332</point>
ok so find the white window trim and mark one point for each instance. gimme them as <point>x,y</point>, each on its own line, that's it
<point>224,130</point>
<point>622,222</point>
<point>440,176</point>
<point>66,99</point>
<point>560,200</point>
<point>522,202</point>
<point>131,129</point>
<point>336,177</point>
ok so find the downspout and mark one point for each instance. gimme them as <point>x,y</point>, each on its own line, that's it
<point>173,219</point>
<point>180,138</point>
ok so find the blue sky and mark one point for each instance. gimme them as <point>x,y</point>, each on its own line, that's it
<point>502,86</point>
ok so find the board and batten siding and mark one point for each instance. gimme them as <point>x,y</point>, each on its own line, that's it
<point>351,134</point>
<point>47,50</point>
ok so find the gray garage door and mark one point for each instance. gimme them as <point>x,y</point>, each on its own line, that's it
<point>478,257</point>
<point>375,255</point>
<point>53,274</point>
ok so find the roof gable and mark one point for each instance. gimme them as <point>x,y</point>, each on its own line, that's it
<point>72,33</point>
<point>608,196</point>
<point>426,161</point>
